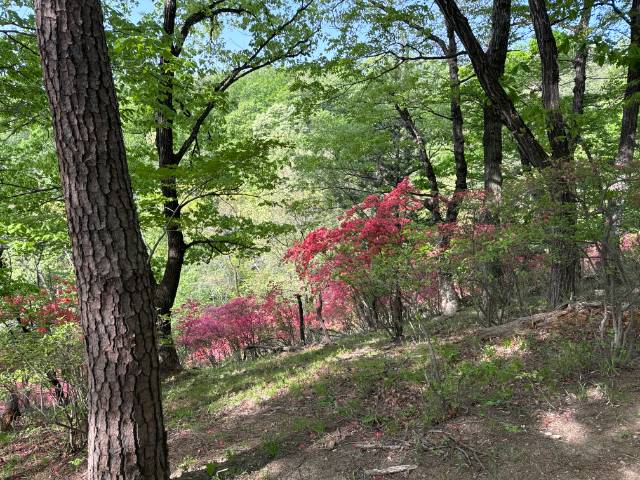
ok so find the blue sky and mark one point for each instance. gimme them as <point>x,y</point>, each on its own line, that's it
<point>234,38</point>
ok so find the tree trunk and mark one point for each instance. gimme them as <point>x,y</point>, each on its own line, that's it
<point>364,312</point>
<point>492,148</point>
<point>58,388</point>
<point>448,299</point>
<point>492,269</point>
<point>492,134</point>
<point>492,288</point>
<point>167,289</point>
<point>11,412</point>
<point>629,126</point>
<point>528,146</point>
<point>563,249</point>
<point>457,129</point>
<point>319,306</point>
<point>303,337</point>
<point>580,66</point>
<point>564,253</point>
<point>126,436</point>
<point>375,313</point>
<point>397,314</point>
<point>432,204</point>
<point>623,343</point>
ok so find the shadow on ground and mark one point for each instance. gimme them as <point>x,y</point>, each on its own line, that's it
<point>362,409</point>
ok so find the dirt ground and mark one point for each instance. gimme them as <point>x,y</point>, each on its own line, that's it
<point>565,438</point>
<point>582,431</point>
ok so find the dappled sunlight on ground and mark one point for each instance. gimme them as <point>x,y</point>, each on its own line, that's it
<point>629,473</point>
<point>333,412</point>
<point>563,426</point>
<point>514,346</point>
<point>297,433</point>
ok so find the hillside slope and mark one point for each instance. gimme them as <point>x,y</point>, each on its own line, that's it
<point>541,404</point>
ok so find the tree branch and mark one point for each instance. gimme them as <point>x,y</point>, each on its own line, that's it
<point>247,67</point>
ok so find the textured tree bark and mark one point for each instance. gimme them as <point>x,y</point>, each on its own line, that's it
<point>492,148</point>
<point>126,436</point>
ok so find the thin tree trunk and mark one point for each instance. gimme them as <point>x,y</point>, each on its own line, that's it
<point>58,389</point>
<point>433,203</point>
<point>623,344</point>
<point>319,307</point>
<point>580,66</point>
<point>364,312</point>
<point>126,436</point>
<point>375,312</point>
<point>457,129</point>
<point>448,298</point>
<point>167,289</point>
<point>397,314</point>
<point>303,337</point>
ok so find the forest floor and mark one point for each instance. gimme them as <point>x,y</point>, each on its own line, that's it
<point>541,404</point>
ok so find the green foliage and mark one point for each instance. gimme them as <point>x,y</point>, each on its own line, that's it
<point>271,448</point>
<point>31,359</point>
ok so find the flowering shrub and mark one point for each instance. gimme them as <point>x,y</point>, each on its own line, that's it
<point>383,263</point>
<point>40,309</point>
<point>212,333</point>
<point>372,228</point>
<point>337,308</point>
<point>373,253</point>
<point>42,356</point>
